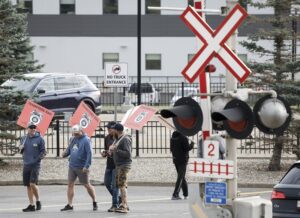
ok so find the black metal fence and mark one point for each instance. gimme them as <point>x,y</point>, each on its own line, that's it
<point>154,140</point>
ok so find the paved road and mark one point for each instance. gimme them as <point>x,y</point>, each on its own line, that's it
<point>145,202</point>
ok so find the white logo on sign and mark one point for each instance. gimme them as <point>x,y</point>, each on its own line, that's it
<point>85,121</point>
<point>35,117</point>
<point>140,117</point>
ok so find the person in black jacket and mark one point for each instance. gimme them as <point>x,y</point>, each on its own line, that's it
<point>180,148</point>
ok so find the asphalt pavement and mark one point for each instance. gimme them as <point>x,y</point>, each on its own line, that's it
<point>144,201</point>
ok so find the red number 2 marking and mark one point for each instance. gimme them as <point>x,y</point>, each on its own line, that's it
<point>211,148</point>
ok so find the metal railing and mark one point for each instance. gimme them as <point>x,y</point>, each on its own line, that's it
<point>154,140</point>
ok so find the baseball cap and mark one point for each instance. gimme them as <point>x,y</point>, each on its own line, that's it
<point>110,124</point>
<point>31,125</point>
<point>76,128</point>
<point>118,127</point>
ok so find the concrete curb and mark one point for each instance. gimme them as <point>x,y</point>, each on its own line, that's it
<point>130,183</point>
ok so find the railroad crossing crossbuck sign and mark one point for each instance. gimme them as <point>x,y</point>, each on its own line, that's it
<point>214,43</point>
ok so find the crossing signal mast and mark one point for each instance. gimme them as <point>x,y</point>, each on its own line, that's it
<point>227,111</point>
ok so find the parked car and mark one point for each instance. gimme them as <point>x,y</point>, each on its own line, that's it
<point>59,92</point>
<point>149,94</point>
<point>187,91</point>
<point>286,194</point>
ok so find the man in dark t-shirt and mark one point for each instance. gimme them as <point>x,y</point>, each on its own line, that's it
<point>110,171</point>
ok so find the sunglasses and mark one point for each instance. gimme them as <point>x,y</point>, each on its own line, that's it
<point>32,127</point>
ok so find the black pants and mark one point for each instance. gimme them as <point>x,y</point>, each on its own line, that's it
<point>181,181</point>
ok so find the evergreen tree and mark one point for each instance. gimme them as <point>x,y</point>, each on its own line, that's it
<point>281,65</point>
<point>15,51</point>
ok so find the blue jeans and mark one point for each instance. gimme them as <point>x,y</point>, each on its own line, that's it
<point>110,183</point>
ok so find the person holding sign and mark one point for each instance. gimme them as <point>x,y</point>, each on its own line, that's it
<point>110,171</point>
<point>33,150</point>
<point>180,148</point>
<point>121,151</point>
<point>80,152</point>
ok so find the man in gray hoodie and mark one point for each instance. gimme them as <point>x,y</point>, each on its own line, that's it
<point>121,151</point>
<point>33,150</point>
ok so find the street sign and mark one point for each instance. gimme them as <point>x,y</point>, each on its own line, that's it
<point>214,43</point>
<point>199,168</point>
<point>116,75</point>
<point>211,150</point>
<point>215,193</point>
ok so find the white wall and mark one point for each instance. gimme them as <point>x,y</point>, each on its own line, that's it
<point>82,54</point>
<point>88,7</point>
<point>173,4</point>
<point>128,6</point>
<point>45,6</point>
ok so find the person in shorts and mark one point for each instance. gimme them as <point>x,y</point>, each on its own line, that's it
<point>80,152</point>
<point>33,150</point>
<point>121,151</point>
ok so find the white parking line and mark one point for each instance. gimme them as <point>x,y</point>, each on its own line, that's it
<point>83,204</point>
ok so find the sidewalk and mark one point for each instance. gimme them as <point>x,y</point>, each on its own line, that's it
<point>145,171</point>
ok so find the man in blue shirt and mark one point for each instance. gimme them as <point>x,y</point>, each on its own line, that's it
<point>80,152</point>
<point>33,150</point>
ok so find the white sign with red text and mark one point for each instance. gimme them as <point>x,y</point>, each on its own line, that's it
<point>116,75</point>
<point>211,150</point>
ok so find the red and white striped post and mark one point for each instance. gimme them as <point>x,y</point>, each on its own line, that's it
<point>204,81</point>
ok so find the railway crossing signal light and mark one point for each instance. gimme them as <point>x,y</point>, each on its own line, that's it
<point>186,114</point>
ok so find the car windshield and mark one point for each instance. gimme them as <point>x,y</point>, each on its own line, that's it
<point>292,177</point>
<point>21,84</point>
<point>186,92</point>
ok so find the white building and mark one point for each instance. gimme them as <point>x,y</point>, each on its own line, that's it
<point>80,35</point>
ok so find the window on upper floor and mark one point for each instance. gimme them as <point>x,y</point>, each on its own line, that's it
<point>25,6</point>
<point>67,6</point>
<point>190,57</point>
<point>191,2</point>
<point>153,61</point>
<point>243,57</point>
<point>109,57</point>
<point>110,6</point>
<point>152,3</point>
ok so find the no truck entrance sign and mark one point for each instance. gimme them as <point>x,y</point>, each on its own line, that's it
<point>116,75</point>
<point>214,43</point>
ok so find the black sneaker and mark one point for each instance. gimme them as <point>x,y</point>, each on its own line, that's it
<point>95,206</point>
<point>67,208</point>
<point>176,198</point>
<point>30,208</point>
<point>38,205</point>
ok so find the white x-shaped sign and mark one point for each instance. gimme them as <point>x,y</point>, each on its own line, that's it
<point>215,43</point>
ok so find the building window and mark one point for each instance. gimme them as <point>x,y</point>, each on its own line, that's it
<point>191,2</point>
<point>110,57</point>
<point>243,57</point>
<point>190,57</point>
<point>152,3</point>
<point>153,61</point>
<point>67,6</point>
<point>110,6</point>
<point>25,6</point>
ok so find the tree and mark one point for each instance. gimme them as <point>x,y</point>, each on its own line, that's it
<point>281,64</point>
<point>15,51</point>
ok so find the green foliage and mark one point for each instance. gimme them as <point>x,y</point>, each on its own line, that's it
<point>278,71</point>
<point>15,50</point>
